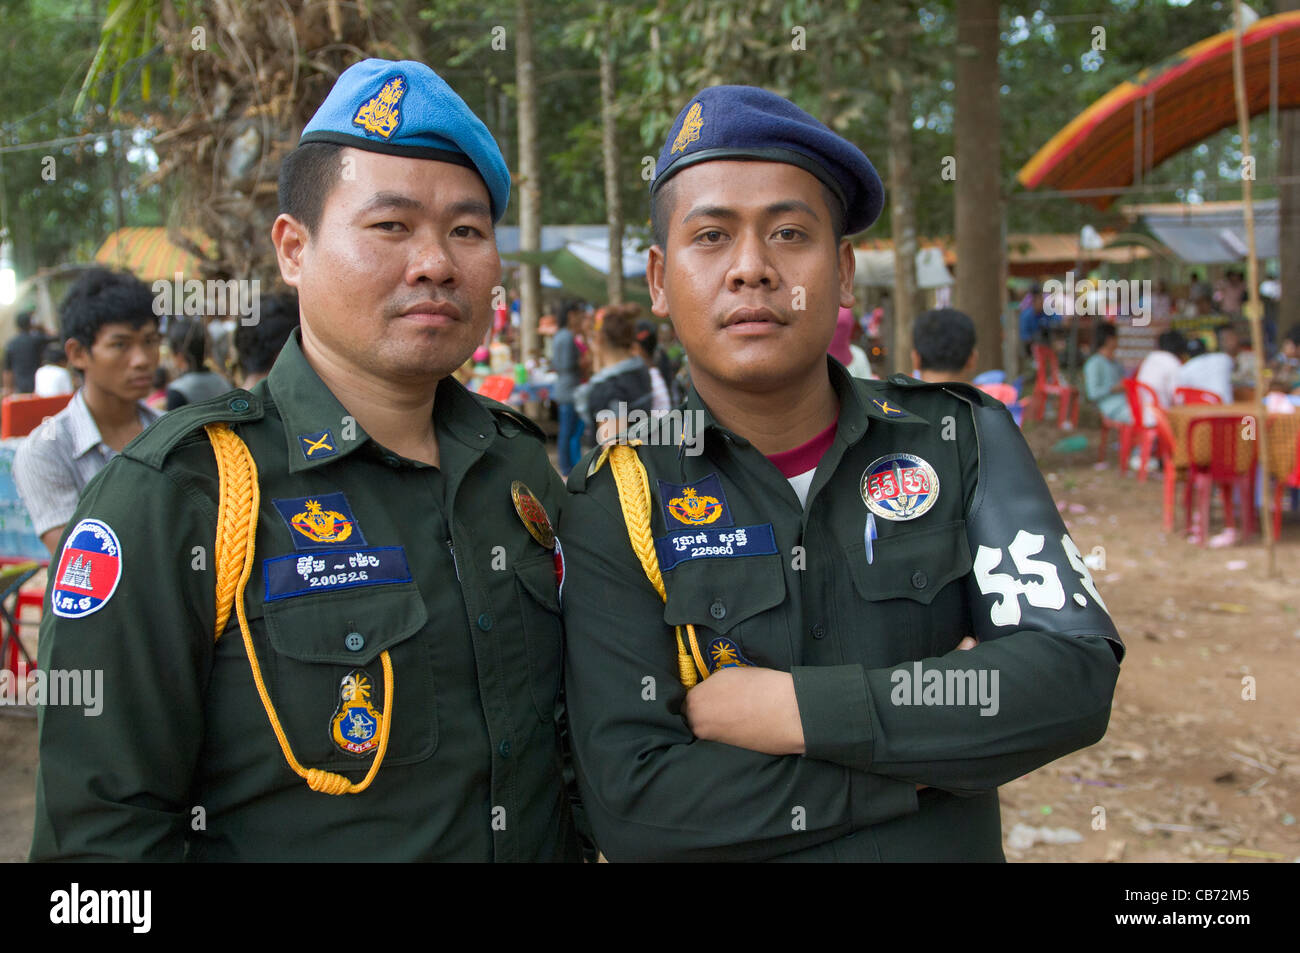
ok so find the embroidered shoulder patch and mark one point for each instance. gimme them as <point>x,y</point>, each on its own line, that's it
<point>688,505</point>
<point>88,571</point>
<point>320,522</point>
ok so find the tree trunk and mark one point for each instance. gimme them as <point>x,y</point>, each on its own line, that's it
<point>902,204</point>
<point>609,148</point>
<point>530,194</point>
<point>978,211</point>
<point>1288,170</point>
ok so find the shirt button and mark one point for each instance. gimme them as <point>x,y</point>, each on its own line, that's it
<point>504,748</point>
<point>919,580</point>
<point>239,405</point>
<point>355,641</point>
<point>485,622</point>
<point>819,631</point>
<point>718,610</point>
<point>390,459</point>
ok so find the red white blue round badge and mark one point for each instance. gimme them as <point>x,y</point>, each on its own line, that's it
<point>89,569</point>
<point>899,486</point>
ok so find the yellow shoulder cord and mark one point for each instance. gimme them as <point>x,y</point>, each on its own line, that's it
<point>634,497</point>
<point>236,532</point>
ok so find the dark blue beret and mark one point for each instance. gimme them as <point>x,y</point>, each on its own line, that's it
<point>404,108</point>
<point>745,122</point>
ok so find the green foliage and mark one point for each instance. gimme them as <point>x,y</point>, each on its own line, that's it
<point>45,49</point>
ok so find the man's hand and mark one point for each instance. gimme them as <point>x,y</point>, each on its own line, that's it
<point>752,708</point>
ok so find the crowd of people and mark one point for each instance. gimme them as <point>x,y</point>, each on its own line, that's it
<point>110,356</point>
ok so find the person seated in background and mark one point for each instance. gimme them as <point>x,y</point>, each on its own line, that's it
<point>1286,363</point>
<point>1212,371</point>
<point>1103,377</point>
<point>844,350</point>
<point>193,381</point>
<point>623,378</point>
<point>258,345</point>
<point>110,335</point>
<point>52,377</point>
<point>943,346</point>
<point>1159,369</point>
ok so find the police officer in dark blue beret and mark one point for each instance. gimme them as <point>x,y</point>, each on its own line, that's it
<point>810,617</point>
<point>326,609</point>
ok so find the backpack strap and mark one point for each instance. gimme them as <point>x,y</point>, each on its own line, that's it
<point>236,533</point>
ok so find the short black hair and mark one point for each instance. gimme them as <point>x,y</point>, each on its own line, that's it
<point>1173,342</point>
<point>1294,335</point>
<point>24,320</point>
<point>308,175</point>
<point>662,201</point>
<point>101,296</point>
<point>944,338</point>
<point>188,337</point>
<point>260,344</point>
<point>1105,331</point>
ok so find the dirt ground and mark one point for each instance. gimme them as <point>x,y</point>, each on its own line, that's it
<point>1188,771</point>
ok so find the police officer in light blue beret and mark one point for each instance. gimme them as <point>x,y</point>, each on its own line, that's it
<point>813,617</point>
<point>326,609</point>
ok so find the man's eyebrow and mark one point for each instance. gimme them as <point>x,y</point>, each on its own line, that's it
<point>396,200</point>
<point>776,208</point>
<point>469,207</point>
<point>391,200</point>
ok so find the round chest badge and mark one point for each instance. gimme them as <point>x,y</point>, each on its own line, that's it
<point>89,570</point>
<point>899,486</point>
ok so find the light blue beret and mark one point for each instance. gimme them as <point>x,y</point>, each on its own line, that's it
<point>403,108</point>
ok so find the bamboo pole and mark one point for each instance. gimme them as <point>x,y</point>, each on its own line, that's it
<point>1252,284</point>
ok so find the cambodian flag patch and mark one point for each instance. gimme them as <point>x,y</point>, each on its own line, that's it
<point>89,569</point>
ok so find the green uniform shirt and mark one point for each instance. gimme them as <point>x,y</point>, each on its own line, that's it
<point>798,591</point>
<point>357,551</point>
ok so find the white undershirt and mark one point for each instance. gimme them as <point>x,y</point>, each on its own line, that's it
<point>801,483</point>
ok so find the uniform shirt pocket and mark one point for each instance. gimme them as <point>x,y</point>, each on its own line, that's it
<point>539,608</point>
<point>736,606</point>
<point>318,641</point>
<point>912,584</point>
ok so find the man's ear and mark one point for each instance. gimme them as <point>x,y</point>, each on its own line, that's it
<point>916,359</point>
<point>290,238</point>
<point>969,370</point>
<point>656,266</point>
<point>848,264</point>
<point>77,353</point>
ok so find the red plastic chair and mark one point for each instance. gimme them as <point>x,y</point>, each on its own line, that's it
<point>1224,471</point>
<point>1165,446</point>
<point>1292,480</point>
<point>1194,395</point>
<point>1048,383</point>
<point>497,387</point>
<point>1140,433</point>
<point>1125,432</point>
<point>23,413</point>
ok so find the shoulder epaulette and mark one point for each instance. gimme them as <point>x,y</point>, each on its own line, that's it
<point>508,420</point>
<point>162,436</point>
<point>968,392</point>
